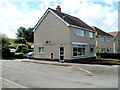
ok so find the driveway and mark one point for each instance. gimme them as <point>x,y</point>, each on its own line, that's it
<point>34,75</point>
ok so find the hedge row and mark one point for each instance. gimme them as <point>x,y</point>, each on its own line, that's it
<point>109,55</point>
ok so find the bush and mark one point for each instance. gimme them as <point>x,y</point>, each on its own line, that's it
<point>22,48</point>
<point>109,55</point>
<point>5,45</point>
<point>20,40</point>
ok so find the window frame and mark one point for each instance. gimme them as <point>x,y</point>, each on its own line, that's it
<point>78,47</point>
<point>41,50</point>
<point>80,32</point>
<point>90,47</point>
<point>91,34</point>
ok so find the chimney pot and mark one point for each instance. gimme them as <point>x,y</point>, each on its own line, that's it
<point>58,8</point>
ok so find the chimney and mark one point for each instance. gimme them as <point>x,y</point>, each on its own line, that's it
<point>58,8</point>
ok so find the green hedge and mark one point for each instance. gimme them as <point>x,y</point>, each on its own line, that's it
<point>109,55</point>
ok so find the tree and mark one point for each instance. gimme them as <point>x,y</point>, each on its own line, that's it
<point>5,46</point>
<point>25,33</point>
<point>20,40</point>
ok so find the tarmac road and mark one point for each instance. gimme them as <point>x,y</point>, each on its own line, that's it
<point>33,75</point>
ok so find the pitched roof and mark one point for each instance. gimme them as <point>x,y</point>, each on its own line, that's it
<point>113,33</point>
<point>70,20</point>
<point>100,32</point>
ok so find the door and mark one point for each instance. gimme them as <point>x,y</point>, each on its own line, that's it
<point>61,54</point>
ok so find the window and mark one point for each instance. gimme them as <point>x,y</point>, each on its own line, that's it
<point>91,34</point>
<point>41,49</point>
<point>103,50</point>
<point>91,48</point>
<point>79,50</point>
<point>105,39</point>
<point>106,50</point>
<point>80,32</point>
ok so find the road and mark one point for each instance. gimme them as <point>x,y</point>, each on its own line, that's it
<point>33,75</point>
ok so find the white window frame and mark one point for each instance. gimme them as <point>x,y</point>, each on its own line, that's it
<point>91,34</point>
<point>77,45</point>
<point>41,50</point>
<point>80,32</point>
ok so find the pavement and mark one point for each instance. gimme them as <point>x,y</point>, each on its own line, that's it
<point>48,74</point>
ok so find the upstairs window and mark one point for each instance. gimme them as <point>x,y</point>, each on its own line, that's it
<point>91,34</point>
<point>80,32</point>
<point>105,39</point>
<point>41,50</point>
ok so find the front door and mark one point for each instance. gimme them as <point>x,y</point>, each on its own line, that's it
<point>61,54</point>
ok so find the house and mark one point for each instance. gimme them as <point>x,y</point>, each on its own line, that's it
<point>104,41</point>
<point>63,37</point>
<point>116,44</point>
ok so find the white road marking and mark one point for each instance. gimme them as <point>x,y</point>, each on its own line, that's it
<point>10,84</point>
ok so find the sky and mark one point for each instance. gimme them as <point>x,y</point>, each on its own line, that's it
<point>26,13</point>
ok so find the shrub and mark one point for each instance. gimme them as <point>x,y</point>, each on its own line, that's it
<point>5,45</point>
<point>22,48</point>
<point>109,55</point>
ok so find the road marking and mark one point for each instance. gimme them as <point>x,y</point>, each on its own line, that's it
<point>10,84</point>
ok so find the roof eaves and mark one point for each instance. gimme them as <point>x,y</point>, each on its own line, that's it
<point>81,28</point>
<point>59,18</point>
<point>40,20</point>
<point>44,17</point>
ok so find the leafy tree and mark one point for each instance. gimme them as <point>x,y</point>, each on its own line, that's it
<point>20,40</point>
<point>25,33</point>
<point>5,45</point>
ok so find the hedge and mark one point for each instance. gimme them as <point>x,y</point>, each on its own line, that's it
<point>109,55</point>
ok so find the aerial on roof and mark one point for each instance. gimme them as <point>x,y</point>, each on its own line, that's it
<point>100,32</point>
<point>71,20</point>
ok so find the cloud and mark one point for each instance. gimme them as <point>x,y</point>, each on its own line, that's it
<point>102,15</point>
<point>12,18</point>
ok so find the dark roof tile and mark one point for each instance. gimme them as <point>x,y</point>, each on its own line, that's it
<point>71,19</point>
<point>100,32</point>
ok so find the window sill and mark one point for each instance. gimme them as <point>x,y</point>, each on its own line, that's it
<point>80,36</point>
<point>80,56</point>
<point>42,53</point>
<point>91,38</point>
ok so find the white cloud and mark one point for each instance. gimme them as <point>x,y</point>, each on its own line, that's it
<point>94,14</point>
<point>12,18</point>
<point>24,5</point>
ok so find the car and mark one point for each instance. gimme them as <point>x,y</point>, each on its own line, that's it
<point>30,55</point>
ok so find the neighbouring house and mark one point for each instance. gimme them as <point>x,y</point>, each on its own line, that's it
<point>104,41</point>
<point>64,37</point>
<point>116,44</point>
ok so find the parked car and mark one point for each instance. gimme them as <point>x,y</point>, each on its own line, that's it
<point>30,55</point>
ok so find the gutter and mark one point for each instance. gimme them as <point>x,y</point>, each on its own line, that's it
<point>80,28</point>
